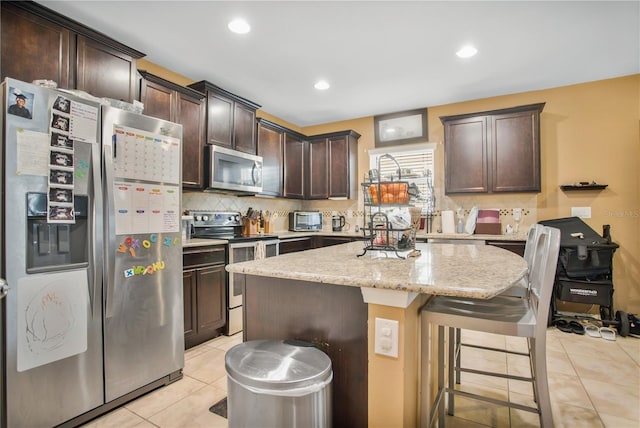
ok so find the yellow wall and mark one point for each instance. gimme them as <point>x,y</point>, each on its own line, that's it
<point>589,131</point>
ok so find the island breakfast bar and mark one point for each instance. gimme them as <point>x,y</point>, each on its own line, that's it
<point>331,297</point>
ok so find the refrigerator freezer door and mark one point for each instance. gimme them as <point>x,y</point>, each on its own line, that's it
<point>144,334</point>
<point>52,374</point>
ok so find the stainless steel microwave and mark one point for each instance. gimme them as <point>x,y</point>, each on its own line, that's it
<point>305,221</point>
<point>233,171</point>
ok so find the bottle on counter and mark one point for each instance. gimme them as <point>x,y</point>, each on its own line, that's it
<point>459,226</point>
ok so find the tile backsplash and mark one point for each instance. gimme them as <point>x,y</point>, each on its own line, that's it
<point>352,210</point>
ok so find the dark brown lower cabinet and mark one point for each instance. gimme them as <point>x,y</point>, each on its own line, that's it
<point>325,241</point>
<point>204,291</point>
<point>292,245</point>
<point>513,246</point>
<point>332,317</point>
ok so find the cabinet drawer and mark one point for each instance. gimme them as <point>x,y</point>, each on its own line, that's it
<point>196,257</point>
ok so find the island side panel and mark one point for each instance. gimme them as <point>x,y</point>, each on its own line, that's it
<point>332,316</point>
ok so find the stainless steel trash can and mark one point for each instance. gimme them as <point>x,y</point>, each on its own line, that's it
<point>278,384</point>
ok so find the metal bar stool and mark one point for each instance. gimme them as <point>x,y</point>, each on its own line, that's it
<point>519,290</point>
<point>505,315</point>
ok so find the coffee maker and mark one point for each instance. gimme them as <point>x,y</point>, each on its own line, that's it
<point>337,222</point>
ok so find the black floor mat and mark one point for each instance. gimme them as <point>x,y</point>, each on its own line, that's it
<point>220,408</point>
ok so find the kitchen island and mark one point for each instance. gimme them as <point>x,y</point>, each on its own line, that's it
<point>331,297</point>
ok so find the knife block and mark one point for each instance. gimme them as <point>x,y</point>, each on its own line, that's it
<point>249,227</point>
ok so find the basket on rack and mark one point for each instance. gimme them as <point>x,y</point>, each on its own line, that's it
<point>381,235</point>
<point>388,231</point>
<point>386,192</point>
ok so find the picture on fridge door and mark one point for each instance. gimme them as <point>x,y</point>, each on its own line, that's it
<point>59,177</point>
<point>23,104</point>
<point>61,141</point>
<point>61,159</point>
<point>62,104</point>
<point>53,320</point>
<point>60,196</point>
<point>60,122</point>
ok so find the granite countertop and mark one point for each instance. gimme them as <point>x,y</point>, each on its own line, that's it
<point>479,271</point>
<point>511,237</point>
<point>420,235</point>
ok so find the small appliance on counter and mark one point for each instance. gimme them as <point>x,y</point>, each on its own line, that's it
<point>305,221</point>
<point>337,223</point>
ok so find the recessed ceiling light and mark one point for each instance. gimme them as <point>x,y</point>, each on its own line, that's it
<point>467,51</point>
<point>239,26</point>
<point>322,85</point>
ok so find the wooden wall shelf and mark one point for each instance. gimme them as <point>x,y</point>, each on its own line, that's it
<point>571,187</point>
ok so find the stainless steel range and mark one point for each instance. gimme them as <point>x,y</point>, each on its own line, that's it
<point>228,225</point>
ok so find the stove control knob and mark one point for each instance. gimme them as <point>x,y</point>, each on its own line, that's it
<point>205,217</point>
<point>196,218</point>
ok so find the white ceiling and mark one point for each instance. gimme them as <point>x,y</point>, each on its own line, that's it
<point>379,56</point>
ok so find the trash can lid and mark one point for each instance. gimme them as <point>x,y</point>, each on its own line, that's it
<point>277,365</point>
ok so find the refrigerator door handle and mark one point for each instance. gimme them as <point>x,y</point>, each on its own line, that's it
<point>96,233</point>
<point>110,231</point>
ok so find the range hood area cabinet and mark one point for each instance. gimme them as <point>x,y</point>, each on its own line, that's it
<point>166,100</point>
<point>38,43</point>
<point>493,151</point>
<point>231,119</point>
<point>333,166</point>
<point>272,139</point>
<point>295,164</point>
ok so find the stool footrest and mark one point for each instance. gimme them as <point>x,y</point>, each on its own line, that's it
<point>488,348</point>
<point>493,374</point>
<point>493,400</point>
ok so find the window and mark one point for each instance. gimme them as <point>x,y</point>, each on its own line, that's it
<point>416,164</point>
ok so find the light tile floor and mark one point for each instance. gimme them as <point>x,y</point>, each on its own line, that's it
<point>593,382</point>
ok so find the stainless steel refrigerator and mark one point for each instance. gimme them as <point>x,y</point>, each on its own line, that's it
<point>91,254</point>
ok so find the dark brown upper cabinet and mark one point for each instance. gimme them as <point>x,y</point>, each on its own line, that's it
<point>38,43</point>
<point>295,166</point>
<point>333,165</point>
<point>271,148</point>
<point>318,178</point>
<point>166,100</point>
<point>493,151</point>
<point>231,120</point>
<point>343,165</point>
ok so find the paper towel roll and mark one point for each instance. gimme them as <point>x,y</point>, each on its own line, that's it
<point>448,222</point>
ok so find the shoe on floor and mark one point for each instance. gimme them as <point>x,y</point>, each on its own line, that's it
<point>592,330</point>
<point>607,333</point>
